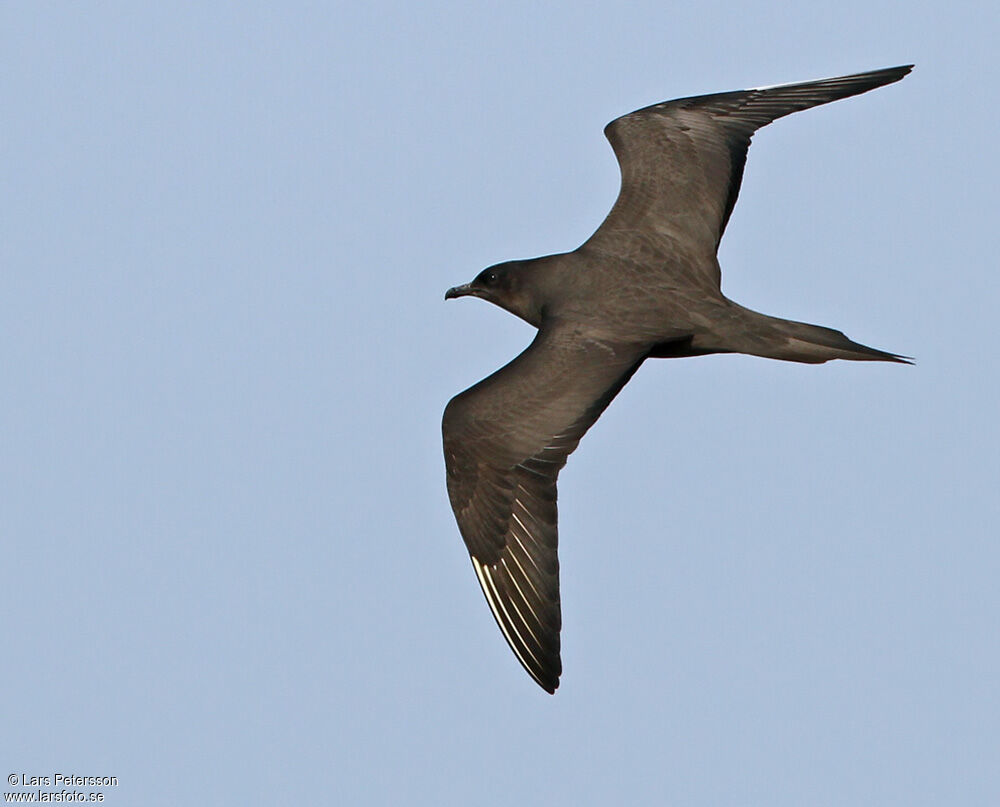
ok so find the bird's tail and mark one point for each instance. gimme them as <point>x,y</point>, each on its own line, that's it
<point>775,338</point>
<point>814,344</point>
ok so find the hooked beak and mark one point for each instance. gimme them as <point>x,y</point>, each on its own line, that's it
<point>459,291</point>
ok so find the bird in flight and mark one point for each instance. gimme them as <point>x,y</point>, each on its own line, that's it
<point>645,285</point>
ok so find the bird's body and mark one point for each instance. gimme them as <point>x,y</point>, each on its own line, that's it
<point>645,285</point>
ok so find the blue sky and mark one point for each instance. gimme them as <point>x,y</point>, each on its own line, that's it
<point>231,572</point>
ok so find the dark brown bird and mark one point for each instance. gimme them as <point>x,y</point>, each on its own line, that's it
<point>645,285</point>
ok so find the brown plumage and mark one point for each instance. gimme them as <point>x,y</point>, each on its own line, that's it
<point>645,285</point>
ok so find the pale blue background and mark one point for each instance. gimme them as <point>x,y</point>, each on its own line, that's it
<point>230,573</point>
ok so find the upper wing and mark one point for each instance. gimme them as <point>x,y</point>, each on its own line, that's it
<point>682,161</point>
<point>505,441</point>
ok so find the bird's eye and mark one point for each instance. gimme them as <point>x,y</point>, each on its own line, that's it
<point>491,277</point>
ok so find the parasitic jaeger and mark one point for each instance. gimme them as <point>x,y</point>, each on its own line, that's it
<point>645,285</point>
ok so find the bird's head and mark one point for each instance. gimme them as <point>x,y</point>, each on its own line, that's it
<point>513,286</point>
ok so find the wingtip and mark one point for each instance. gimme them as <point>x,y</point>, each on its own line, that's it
<point>872,78</point>
<point>543,667</point>
<point>900,71</point>
<point>550,688</point>
<point>551,683</point>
